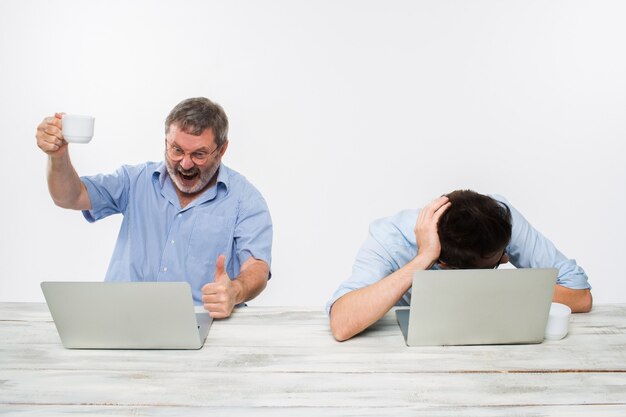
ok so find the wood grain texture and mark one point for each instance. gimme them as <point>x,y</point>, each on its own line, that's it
<point>284,361</point>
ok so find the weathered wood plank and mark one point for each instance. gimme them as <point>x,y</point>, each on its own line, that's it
<point>277,411</point>
<point>203,387</point>
<point>547,358</point>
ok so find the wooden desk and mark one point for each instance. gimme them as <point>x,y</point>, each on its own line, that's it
<point>283,361</point>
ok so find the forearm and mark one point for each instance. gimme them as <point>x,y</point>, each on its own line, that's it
<point>65,186</point>
<point>251,281</point>
<point>580,301</point>
<point>359,309</point>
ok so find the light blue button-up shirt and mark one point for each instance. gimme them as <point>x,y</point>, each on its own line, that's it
<point>391,244</point>
<point>160,241</point>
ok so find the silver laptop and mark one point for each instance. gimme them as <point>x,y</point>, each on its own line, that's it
<point>478,307</point>
<point>126,315</point>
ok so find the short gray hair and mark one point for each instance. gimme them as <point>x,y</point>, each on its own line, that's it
<point>195,115</point>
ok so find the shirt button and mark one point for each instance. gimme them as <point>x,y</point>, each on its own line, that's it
<point>165,269</point>
<point>172,242</point>
<point>180,215</point>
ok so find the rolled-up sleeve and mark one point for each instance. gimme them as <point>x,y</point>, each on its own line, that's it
<point>369,268</point>
<point>108,194</point>
<point>390,244</point>
<point>530,249</point>
<point>253,231</point>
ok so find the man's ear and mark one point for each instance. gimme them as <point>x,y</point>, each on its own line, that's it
<point>223,150</point>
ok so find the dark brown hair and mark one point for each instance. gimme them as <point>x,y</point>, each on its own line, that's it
<point>474,227</point>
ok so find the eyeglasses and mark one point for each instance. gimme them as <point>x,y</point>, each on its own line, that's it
<point>197,157</point>
<point>447,266</point>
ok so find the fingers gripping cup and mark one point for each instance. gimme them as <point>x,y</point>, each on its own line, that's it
<point>77,128</point>
<point>558,321</point>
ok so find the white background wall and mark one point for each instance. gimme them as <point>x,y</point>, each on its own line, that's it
<point>340,111</point>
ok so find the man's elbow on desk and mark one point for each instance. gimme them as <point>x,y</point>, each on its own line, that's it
<point>339,326</point>
<point>580,301</point>
<point>340,333</point>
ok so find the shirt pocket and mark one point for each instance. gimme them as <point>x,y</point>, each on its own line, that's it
<point>212,235</point>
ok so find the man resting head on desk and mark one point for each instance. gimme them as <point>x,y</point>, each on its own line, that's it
<point>186,218</point>
<point>461,230</point>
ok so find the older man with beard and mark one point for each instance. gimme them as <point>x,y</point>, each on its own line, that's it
<point>189,218</point>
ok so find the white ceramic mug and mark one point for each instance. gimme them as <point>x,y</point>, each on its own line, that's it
<point>558,321</point>
<point>77,128</point>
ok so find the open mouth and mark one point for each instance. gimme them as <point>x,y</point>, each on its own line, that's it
<point>189,176</point>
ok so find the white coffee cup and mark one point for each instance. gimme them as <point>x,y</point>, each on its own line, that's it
<point>558,321</point>
<point>77,128</point>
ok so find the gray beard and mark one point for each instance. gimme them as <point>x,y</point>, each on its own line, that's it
<point>205,178</point>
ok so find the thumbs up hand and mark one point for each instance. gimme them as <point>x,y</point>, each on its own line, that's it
<point>219,296</point>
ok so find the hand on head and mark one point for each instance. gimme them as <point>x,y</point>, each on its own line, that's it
<point>50,137</point>
<point>218,296</point>
<point>426,235</point>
